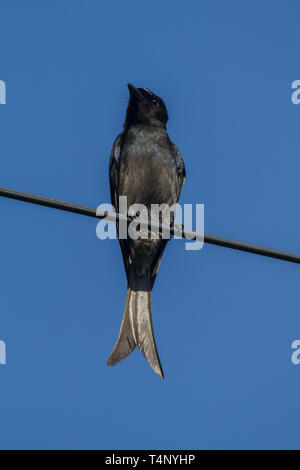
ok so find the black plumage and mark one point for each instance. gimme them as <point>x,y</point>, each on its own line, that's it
<point>147,168</point>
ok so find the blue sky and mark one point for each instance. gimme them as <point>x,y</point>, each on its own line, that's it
<point>224,320</point>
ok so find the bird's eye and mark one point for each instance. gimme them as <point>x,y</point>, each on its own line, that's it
<point>155,102</point>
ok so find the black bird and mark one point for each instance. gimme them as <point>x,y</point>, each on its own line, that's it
<point>148,168</point>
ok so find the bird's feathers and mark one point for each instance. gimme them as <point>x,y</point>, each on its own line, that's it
<point>148,168</point>
<point>136,327</point>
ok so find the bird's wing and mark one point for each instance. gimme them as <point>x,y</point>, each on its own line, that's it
<point>181,179</point>
<point>179,166</point>
<point>114,189</point>
<point>113,170</point>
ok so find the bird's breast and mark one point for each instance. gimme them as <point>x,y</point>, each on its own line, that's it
<point>147,168</point>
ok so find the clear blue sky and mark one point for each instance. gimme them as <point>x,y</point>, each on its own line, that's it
<point>224,320</point>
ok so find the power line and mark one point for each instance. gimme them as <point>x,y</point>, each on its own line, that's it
<point>175,230</point>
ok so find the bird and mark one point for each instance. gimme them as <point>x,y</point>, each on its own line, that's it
<point>147,168</point>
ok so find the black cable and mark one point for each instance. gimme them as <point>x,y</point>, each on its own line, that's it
<point>176,230</point>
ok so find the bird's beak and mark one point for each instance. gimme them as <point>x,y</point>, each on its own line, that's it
<point>135,92</point>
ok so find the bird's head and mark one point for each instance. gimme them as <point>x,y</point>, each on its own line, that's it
<point>145,107</point>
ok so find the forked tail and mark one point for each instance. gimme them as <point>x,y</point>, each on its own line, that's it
<point>136,327</point>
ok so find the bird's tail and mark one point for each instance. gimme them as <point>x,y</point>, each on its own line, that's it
<point>136,327</point>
